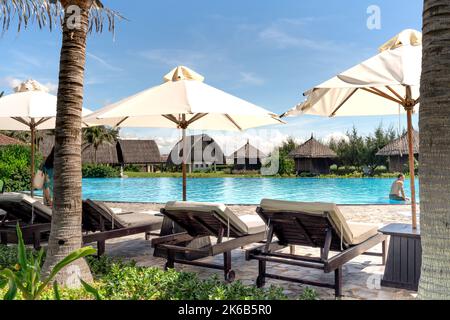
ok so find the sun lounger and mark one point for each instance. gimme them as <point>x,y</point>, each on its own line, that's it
<point>318,225</point>
<point>33,217</point>
<point>201,220</point>
<point>99,223</point>
<point>104,224</point>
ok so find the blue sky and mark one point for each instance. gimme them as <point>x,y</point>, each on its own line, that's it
<point>266,51</point>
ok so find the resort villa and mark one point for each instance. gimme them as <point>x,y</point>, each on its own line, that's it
<point>135,198</point>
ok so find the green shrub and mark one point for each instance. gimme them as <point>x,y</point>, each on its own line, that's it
<point>334,169</point>
<point>15,164</point>
<point>132,168</point>
<point>380,170</point>
<point>309,294</point>
<point>307,175</point>
<point>100,171</point>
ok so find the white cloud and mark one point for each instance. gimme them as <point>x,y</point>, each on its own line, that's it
<point>335,136</point>
<point>10,82</point>
<point>103,62</point>
<point>250,78</point>
<point>173,58</point>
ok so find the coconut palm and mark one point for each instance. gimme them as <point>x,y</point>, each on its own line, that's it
<point>77,18</point>
<point>96,136</point>
<point>434,120</point>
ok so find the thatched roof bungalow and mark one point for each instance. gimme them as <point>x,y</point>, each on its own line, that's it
<point>8,141</point>
<point>313,157</point>
<point>397,152</point>
<point>138,152</point>
<point>203,153</point>
<point>248,157</point>
<point>106,154</point>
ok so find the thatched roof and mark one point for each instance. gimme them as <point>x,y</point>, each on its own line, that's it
<point>106,154</point>
<point>313,149</point>
<point>8,141</point>
<point>138,152</point>
<point>201,146</point>
<point>399,147</point>
<point>248,152</point>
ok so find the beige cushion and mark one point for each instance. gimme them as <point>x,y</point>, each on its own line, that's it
<point>362,231</point>
<point>137,219</point>
<point>221,210</point>
<point>352,236</point>
<point>254,223</point>
<point>14,197</point>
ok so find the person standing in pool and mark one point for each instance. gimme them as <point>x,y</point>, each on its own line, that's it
<point>398,190</point>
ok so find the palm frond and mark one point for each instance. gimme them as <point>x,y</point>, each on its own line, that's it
<point>49,13</point>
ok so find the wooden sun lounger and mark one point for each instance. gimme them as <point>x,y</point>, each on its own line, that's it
<point>312,225</point>
<point>200,220</point>
<point>99,222</point>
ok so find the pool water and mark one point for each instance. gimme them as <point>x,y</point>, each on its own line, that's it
<point>243,190</point>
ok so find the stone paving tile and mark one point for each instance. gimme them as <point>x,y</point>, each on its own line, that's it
<point>361,275</point>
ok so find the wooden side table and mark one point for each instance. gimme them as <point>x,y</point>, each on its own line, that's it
<point>404,258</point>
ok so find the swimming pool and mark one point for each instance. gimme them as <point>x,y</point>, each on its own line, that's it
<point>242,190</point>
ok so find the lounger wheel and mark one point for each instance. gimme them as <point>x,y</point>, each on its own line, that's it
<point>230,276</point>
<point>260,281</point>
<point>168,266</point>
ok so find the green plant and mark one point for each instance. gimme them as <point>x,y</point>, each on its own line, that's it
<point>307,175</point>
<point>309,294</point>
<point>15,161</point>
<point>26,276</point>
<point>131,168</point>
<point>99,171</point>
<point>334,169</point>
<point>380,170</point>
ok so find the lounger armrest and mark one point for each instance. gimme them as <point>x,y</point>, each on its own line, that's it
<point>172,238</point>
<point>351,253</point>
<point>237,243</point>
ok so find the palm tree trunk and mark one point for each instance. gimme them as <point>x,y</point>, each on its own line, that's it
<point>66,234</point>
<point>435,151</point>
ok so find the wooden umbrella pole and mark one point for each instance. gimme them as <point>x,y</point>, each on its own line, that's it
<point>183,163</point>
<point>409,110</point>
<point>33,138</point>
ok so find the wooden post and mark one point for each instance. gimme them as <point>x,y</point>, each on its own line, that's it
<point>33,139</point>
<point>409,110</point>
<point>183,164</point>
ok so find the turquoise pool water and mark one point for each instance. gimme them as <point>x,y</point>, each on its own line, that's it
<point>242,190</point>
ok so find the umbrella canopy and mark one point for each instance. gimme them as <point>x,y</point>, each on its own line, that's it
<point>377,86</point>
<point>386,84</point>
<point>204,107</point>
<point>30,108</point>
<point>184,101</point>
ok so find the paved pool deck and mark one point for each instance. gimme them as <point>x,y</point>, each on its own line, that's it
<point>361,276</point>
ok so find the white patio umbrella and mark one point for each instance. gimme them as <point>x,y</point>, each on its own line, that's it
<point>183,101</point>
<point>30,108</point>
<point>386,84</point>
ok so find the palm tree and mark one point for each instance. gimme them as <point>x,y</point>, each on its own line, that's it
<point>434,121</point>
<point>77,18</point>
<point>96,136</point>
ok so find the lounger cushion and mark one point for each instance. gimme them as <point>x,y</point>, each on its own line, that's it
<point>362,231</point>
<point>222,211</point>
<point>19,204</point>
<point>138,219</point>
<point>254,223</point>
<point>350,236</point>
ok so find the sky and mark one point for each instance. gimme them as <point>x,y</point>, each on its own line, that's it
<point>265,51</point>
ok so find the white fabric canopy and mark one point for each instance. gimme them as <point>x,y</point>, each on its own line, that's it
<point>37,105</point>
<point>191,97</point>
<point>397,66</point>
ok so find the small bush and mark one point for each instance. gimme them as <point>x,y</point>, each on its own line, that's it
<point>307,175</point>
<point>132,168</point>
<point>334,169</point>
<point>309,294</point>
<point>380,170</point>
<point>15,162</point>
<point>100,171</point>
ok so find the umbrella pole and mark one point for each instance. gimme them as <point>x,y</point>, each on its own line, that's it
<point>411,170</point>
<point>183,163</point>
<point>409,110</point>
<point>33,137</point>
